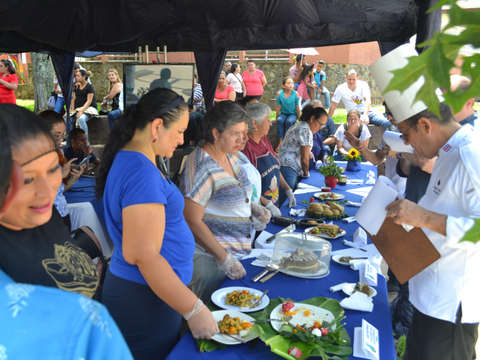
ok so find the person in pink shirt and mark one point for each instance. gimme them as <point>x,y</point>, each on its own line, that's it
<point>224,91</point>
<point>306,89</point>
<point>254,80</point>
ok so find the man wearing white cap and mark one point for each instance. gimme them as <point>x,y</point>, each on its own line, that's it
<point>355,94</point>
<point>445,294</point>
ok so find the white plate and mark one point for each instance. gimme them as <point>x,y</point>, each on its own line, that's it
<point>316,314</point>
<point>219,298</point>
<point>349,289</point>
<point>333,195</point>
<point>325,236</point>
<point>227,340</point>
<point>336,258</point>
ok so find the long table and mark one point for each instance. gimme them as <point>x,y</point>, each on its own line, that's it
<point>301,289</point>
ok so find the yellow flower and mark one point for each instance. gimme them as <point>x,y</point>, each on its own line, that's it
<point>353,153</point>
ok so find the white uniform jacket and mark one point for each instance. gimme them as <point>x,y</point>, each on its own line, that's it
<point>453,190</point>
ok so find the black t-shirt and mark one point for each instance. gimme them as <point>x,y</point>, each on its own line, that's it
<point>44,256</point>
<point>81,96</point>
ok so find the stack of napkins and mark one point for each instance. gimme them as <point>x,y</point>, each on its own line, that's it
<point>357,301</point>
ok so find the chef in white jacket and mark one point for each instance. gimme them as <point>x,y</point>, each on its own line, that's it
<point>446,294</point>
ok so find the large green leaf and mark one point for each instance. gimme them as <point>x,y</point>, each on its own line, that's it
<point>473,235</point>
<point>280,345</point>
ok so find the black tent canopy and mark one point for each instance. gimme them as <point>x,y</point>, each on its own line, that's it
<point>208,27</point>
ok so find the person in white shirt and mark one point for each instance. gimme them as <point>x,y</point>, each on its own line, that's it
<point>445,294</point>
<point>355,94</point>
<point>356,129</point>
<point>466,115</point>
<point>235,80</point>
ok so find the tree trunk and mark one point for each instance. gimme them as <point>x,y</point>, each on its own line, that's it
<point>43,72</point>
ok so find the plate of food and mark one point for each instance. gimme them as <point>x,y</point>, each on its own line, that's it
<point>307,222</point>
<point>326,231</point>
<point>240,298</point>
<point>303,264</point>
<point>234,327</point>
<point>330,210</point>
<point>345,260</point>
<point>350,288</point>
<point>304,315</point>
<point>328,195</point>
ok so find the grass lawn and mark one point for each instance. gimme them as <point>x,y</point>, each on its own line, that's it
<point>29,104</point>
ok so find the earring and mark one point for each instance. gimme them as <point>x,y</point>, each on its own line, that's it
<point>154,140</point>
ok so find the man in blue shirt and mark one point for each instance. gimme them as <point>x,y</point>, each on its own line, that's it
<point>46,323</point>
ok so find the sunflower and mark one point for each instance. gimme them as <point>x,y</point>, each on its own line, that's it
<point>354,153</point>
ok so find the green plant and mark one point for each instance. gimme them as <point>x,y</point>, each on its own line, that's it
<point>435,64</point>
<point>400,346</point>
<point>330,168</point>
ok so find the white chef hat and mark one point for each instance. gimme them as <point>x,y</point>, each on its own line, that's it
<point>400,104</point>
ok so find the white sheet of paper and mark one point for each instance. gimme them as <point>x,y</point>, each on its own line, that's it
<point>372,213</point>
<point>368,274</point>
<point>396,143</point>
<point>360,237</point>
<point>365,341</point>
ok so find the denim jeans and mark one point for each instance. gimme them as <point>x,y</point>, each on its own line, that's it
<point>82,123</point>
<point>326,94</point>
<point>112,116</point>
<point>378,119</point>
<point>59,104</point>
<point>283,124</point>
<point>290,176</point>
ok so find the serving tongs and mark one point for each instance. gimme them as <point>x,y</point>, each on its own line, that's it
<point>289,228</point>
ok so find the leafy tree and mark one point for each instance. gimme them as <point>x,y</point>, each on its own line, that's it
<point>435,63</point>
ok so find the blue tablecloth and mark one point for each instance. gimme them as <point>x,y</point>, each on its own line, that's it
<point>82,191</point>
<point>300,289</point>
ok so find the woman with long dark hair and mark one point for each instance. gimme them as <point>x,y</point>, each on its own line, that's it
<point>8,82</point>
<point>235,80</point>
<point>145,288</point>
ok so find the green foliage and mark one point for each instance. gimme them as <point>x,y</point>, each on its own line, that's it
<point>335,346</point>
<point>330,169</point>
<point>435,63</point>
<point>400,347</point>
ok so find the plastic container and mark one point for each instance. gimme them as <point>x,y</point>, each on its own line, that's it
<point>302,255</point>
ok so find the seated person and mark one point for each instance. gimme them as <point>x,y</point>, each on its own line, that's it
<point>79,214</point>
<point>79,148</point>
<point>353,127</point>
<point>224,91</point>
<point>295,150</point>
<point>35,245</point>
<point>66,312</point>
<point>324,138</point>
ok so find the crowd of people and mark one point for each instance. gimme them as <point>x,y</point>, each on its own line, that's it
<point>168,246</point>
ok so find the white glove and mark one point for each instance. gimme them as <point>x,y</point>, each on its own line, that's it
<point>364,119</point>
<point>312,157</point>
<point>260,217</point>
<point>201,322</point>
<point>232,268</point>
<point>273,209</point>
<point>291,198</point>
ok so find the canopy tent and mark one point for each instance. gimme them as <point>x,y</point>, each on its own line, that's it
<point>209,28</point>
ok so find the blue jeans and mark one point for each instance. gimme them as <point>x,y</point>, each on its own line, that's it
<point>290,176</point>
<point>82,123</point>
<point>378,119</point>
<point>59,104</point>
<point>283,124</point>
<point>326,94</point>
<point>112,116</point>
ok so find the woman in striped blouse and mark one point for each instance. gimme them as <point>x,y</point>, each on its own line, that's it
<point>217,200</point>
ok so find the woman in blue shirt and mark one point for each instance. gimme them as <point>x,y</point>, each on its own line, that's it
<point>145,288</point>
